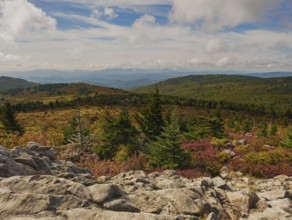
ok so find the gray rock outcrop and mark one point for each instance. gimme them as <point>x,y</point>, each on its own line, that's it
<point>34,185</point>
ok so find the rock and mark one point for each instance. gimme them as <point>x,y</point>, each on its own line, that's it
<point>27,160</point>
<point>225,173</point>
<point>276,195</point>
<point>34,186</point>
<point>31,195</point>
<point>8,167</point>
<point>18,151</point>
<point>224,169</point>
<point>42,166</point>
<point>97,214</point>
<point>268,146</point>
<point>285,204</point>
<point>228,145</point>
<point>211,216</point>
<point>4,152</point>
<point>104,192</point>
<point>270,214</point>
<point>186,201</point>
<point>169,173</point>
<point>120,205</point>
<point>41,150</point>
<point>230,152</point>
<point>103,178</point>
<point>219,182</point>
<point>243,201</point>
<point>242,142</point>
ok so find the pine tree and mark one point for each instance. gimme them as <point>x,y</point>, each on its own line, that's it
<point>80,135</point>
<point>166,150</point>
<point>263,129</point>
<point>287,142</point>
<point>151,122</point>
<point>273,130</point>
<point>246,125</point>
<point>9,121</point>
<point>117,132</point>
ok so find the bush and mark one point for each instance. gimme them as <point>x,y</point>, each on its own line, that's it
<point>205,157</point>
<point>51,138</point>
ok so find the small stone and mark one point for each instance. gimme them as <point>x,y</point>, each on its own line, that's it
<point>211,216</point>
<point>230,153</point>
<point>219,182</point>
<point>169,173</point>
<point>242,142</point>
<point>103,178</point>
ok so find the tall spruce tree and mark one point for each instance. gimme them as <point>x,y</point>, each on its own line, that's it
<point>9,121</point>
<point>151,122</point>
<point>263,129</point>
<point>116,132</point>
<point>287,142</point>
<point>167,150</point>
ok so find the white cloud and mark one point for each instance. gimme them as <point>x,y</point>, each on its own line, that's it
<point>96,14</point>
<point>8,57</point>
<point>145,44</point>
<point>110,13</point>
<point>19,16</point>
<point>215,14</point>
<point>227,61</point>
<point>144,20</point>
<point>215,45</point>
<point>281,45</point>
<point>200,61</point>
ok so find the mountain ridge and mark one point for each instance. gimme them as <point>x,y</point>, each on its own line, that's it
<point>269,92</point>
<point>7,82</point>
<point>122,78</point>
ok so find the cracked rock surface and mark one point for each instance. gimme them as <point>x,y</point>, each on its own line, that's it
<point>34,185</point>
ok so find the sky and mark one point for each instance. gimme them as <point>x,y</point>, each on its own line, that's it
<point>243,35</point>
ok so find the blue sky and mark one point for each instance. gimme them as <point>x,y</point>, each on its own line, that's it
<point>245,35</point>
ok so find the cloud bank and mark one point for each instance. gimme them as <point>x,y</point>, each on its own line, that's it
<point>97,34</point>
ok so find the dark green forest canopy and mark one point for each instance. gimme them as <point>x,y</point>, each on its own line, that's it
<point>270,92</point>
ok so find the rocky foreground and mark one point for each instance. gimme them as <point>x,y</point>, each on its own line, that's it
<point>34,185</point>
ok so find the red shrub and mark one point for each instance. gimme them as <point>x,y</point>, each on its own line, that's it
<point>192,173</point>
<point>135,162</point>
<point>205,156</point>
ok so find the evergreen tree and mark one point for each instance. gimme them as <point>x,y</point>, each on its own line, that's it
<point>246,125</point>
<point>236,128</point>
<point>167,150</point>
<point>151,122</point>
<point>284,122</point>
<point>263,129</point>
<point>287,142</point>
<point>273,130</point>
<point>80,134</point>
<point>117,132</point>
<point>201,127</point>
<point>9,121</point>
<point>231,122</point>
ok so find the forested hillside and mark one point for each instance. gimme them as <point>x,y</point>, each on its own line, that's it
<point>273,93</point>
<point>13,83</point>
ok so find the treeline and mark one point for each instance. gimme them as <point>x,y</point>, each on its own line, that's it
<point>52,89</point>
<point>141,99</point>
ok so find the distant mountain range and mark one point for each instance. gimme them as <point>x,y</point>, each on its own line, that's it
<point>122,78</point>
<point>14,83</point>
